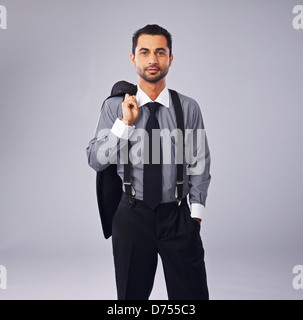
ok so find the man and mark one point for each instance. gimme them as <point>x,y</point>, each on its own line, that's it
<point>155,223</point>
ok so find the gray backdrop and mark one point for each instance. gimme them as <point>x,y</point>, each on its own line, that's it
<point>241,60</point>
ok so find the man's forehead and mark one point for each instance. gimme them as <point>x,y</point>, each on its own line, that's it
<point>151,41</point>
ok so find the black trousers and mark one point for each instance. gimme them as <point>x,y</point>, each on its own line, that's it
<point>139,234</point>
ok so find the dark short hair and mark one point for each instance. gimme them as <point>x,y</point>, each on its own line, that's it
<point>152,29</point>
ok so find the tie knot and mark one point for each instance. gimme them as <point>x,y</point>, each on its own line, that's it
<point>153,107</point>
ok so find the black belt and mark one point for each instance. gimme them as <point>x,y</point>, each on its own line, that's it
<point>140,203</point>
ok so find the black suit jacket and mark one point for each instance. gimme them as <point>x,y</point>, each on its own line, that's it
<point>108,182</point>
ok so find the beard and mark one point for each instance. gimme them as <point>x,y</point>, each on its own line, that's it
<point>143,73</point>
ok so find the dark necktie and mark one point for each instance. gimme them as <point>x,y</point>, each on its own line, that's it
<point>152,176</point>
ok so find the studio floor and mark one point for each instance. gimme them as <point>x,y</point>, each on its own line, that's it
<point>91,277</point>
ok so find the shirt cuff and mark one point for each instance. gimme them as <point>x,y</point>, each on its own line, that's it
<point>121,130</point>
<point>196,210</point>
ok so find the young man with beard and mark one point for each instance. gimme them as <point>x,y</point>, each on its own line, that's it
<point>154,222</point>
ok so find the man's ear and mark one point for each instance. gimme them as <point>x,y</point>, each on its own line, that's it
<point>132,59</point>
<point>171,58</point>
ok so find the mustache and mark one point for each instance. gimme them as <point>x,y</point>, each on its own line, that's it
<point>153,67</point>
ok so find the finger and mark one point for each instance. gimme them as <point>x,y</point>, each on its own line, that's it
<point>129,100</point>
<point>132,101</point>
<point>134,106</point>
<point>133,98</point>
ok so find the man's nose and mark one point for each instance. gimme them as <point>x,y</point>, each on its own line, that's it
<point>153,59</point>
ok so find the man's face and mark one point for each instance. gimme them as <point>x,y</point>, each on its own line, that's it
<point>151,59</point>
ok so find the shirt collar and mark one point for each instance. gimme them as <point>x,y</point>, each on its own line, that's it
<point>143,98</point>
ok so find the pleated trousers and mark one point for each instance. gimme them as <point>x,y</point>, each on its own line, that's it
<point>140,235</point>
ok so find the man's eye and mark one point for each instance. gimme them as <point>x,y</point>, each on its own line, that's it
<point>161,53</point>
<point>143,53</point>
